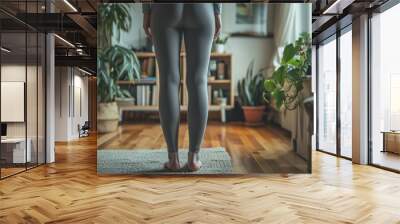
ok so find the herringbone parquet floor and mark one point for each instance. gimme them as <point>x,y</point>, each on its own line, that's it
<point>70,191</point>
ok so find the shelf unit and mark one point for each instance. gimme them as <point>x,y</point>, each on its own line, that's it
<point>225,83</point>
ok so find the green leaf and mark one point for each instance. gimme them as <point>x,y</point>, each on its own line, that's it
<point>294,75</point>
<point>279,75</point>
<point>288,53</point>
<point>249,71</point>
<point>115,63</point>
<point>294,62</point>
<point>279,96</point>
<point>269,85</point>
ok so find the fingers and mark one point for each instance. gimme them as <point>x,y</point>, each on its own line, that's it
<point>147,30</point>
<point>217,32</point>
<point>146,24</point>
<point>217,25</point>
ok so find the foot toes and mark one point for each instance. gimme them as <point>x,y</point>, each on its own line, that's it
<point>194,166</point>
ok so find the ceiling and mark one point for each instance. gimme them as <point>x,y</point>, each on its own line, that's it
<point>74,22</point>
<point>330,15</point>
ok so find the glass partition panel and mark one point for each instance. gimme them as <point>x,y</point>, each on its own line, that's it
<point>14,153</point>
<point>41,79</point>
<point>31,98</point>
<point>23,88</point>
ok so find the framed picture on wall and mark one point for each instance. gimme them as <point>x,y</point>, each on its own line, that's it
<point>246,19</point>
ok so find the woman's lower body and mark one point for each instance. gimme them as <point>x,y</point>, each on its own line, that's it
<point>194,22</point>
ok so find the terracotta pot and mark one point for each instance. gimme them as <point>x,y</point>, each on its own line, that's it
<point>107,117</point>
<point>253,115</point>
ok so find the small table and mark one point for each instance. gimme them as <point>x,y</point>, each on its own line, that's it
<point>391,141</point>
<point>13,150</point>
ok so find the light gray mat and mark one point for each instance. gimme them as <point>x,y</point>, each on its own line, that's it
<point>150,161</point>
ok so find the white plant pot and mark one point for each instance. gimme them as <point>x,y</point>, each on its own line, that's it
<point>219,48</point>
<point>107,117</point>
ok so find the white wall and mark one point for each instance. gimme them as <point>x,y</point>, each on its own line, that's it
<point>33,125</point>
<point>12,73</point>
<point>70,83</point>
<point>135,37</point>
<point>61,103</point>
<point>244,50</point>
<point>17,73</point>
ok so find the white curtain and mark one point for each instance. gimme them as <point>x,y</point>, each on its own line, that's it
<point>290,20</point>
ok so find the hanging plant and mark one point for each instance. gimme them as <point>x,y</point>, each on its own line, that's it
<point>287,80</point>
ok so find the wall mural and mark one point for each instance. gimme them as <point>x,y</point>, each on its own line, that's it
<point>211,102</point>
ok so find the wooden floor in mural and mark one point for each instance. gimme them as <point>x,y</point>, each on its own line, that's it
<point>70,191</point>
<point>265,149</point>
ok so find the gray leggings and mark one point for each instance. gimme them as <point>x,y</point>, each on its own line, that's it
<point>195,22</point>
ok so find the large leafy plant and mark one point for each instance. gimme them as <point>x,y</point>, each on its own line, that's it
<point>250,88</point>
<point>114,62</point>
<point>112,19</point>
<point>287,80</point>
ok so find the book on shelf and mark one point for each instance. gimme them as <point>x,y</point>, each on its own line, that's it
<point>151,67</point>
<point>148,66</point>
<point>155,96</point>
<point>146,95</point>
<point>215,93</point>
<point>147,80</point>
<point>212,71</point>
<point>221,70</point>
<point>216,70</point>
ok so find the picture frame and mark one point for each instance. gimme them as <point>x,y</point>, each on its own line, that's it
<point>246,19</point>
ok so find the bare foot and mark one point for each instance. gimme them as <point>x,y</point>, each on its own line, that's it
<point>194,163</point>
<point>173,161</point>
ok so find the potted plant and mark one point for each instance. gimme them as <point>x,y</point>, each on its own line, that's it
<point>287,84</point>
<point>287,81</point>
<point>220,43</point>
<point>114,63</point>
<point>252,96</point>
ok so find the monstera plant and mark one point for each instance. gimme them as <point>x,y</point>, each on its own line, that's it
<point>251,95</point>
<point>114,63</point>
<point>286,82</point>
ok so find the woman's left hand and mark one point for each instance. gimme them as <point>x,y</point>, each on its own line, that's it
<point>218,25</point>
<point>146,24</point>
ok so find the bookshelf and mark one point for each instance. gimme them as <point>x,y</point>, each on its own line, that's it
<point>145,91</point>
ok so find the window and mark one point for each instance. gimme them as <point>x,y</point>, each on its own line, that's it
<point>327,96</point>
<point>385,89</point>
<point>346,93</point>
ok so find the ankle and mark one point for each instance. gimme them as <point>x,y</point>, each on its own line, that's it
<point>193,156</point>
<point>173,157</point>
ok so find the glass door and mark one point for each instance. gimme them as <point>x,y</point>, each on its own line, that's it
<point>14,153</point>
<point>22,101</point>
